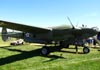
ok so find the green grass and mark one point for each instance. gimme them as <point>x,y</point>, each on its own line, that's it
<point>27,57</point>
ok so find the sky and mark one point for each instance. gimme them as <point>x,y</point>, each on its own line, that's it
<point>48,13</point>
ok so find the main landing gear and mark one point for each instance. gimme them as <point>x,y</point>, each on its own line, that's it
<point>85,49</point>
<point>45,50</point>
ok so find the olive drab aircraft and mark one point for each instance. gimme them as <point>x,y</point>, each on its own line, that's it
<point>61,36</point>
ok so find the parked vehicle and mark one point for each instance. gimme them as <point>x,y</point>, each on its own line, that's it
<point>17,42</point>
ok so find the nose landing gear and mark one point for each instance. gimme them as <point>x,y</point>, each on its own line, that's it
<point>86,50</point>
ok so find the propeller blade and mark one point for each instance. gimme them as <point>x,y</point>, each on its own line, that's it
<point>71,23</point>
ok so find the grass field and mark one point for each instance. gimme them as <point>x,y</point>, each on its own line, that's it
<point>28,57</point>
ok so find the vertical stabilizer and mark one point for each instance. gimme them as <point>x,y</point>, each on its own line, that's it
<point>4,34</point>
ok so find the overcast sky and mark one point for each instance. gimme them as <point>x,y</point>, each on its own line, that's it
<point>47,13</point>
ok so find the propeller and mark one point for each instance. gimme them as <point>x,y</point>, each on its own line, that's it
<point>95,28</point>
<point>71,23</point>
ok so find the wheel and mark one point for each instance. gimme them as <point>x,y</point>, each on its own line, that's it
<point>86,50</point>
<point>45,50</point>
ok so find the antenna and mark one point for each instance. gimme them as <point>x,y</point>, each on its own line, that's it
<point>71,22</point>
<point>77,24</point>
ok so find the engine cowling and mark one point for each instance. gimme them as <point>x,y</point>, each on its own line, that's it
<point>4,34</point>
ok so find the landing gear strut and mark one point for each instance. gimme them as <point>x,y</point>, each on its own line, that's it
<point>85,48</point>
<point>76,47</point>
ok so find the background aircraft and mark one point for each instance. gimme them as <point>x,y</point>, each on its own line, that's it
<point>61,36</point>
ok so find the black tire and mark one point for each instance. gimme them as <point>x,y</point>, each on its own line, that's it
<point>86,50</point>
<point>45,51</point>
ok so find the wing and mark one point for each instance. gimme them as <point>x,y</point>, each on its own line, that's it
<point>22,27</point>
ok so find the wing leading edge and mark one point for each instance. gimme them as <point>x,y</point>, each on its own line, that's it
<point>22,27</point>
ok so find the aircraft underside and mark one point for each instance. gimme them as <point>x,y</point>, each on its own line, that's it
<point>63,44</point>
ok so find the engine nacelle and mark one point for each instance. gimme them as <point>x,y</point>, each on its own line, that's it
<point>4,34</point>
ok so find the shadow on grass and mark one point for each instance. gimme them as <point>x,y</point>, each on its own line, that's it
<point>72,52</point>
<point>95,47</point>
<point>54,57</point>
<point>99,50</point>
<point>30,54</point>
<point>53,49</point>
<point>23,55</point>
